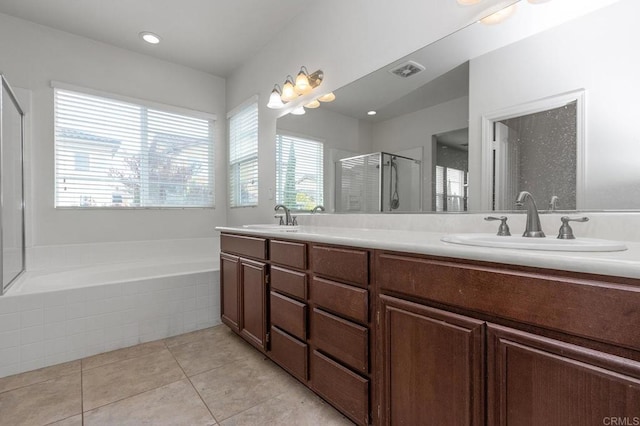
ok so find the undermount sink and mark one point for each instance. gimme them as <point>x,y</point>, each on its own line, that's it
<point>529,243</point>
<point>272,227</point>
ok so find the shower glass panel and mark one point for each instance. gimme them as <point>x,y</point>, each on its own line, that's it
<point>12,262</point>
<point>378,182</point>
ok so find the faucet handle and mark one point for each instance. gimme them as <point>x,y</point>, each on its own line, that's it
<point>294,220</point>
<point>279,216</point>
<point>503,229</point>
<point>565,232</point>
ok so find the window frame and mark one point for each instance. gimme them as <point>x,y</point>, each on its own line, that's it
<point>234,166</point>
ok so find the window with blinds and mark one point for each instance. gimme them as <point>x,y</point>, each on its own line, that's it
<point>450,194</point>
<point>243,157</point>
<point>299,172</point>
<point>110,153</point>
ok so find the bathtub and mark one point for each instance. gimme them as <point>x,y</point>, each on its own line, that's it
<point>82,300</point>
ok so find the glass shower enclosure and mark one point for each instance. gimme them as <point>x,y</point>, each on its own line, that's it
<point>12,228</point>
<point>378,182</point>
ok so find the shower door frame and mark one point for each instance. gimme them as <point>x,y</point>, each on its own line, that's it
<point>14,100</point>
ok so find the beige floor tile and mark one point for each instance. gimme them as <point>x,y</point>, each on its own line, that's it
<point>299,407</point>
<point>42,403</point>
<point>210,351</point>
<point>240,385</point>
<point>219,331</point>
<point>173,404</point>
<point>119,380</point>
<point>70,421</point>
<point>37,376</point>
<point>122,354</point>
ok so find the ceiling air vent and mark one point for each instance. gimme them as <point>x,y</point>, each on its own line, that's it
<point>407,69</point>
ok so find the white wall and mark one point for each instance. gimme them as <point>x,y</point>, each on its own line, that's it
<point>30,57</point>
<point>597,53</point>
<point>347,40</point>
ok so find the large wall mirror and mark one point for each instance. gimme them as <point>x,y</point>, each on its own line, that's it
<point>544,101</point>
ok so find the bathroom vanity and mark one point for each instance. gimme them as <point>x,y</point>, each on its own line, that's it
<point>392,334</point>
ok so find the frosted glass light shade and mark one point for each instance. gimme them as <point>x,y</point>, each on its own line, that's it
<point>327,98</point>
<point>275,102</point>
<point>288,91</point>
<point>468,2</point>
<point>302,86</point>
<point>298,111</point>
<point>537,1</point>
<point>313,104</point>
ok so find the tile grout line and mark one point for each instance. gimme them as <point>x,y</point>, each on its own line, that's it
<point>191,383</point>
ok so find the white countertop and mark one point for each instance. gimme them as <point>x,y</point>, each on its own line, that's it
<point>620,263</point>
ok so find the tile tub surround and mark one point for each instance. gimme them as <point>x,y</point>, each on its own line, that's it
<point>241,387</point>
<point>121,299</point>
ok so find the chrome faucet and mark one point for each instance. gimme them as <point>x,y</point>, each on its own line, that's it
<point>287,214</point>
<point>533,228</point>
<point>316,209</point>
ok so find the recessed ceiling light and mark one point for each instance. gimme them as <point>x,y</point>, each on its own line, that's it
<point>150,37</point>
<point>372,112</point>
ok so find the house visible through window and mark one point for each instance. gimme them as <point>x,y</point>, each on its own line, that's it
<point>111,153</point>
<point>243,156</point>
<point>299,172</point>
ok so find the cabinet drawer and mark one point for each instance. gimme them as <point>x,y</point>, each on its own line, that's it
<point>290,315</point>
<point>244,246</point>
<point>288,282</point>
<point>347,265</point>
<point>288,253</point>
<point>289,353</point>
<point>341,339</point>
<point>347,300</point>
<point>346,390</point>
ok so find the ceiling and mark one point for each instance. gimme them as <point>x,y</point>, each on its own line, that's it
<point>214,36</point>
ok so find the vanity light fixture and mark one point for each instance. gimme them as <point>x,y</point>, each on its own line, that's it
<point>304,84</point>
<point>149,37</point>
<point>537,1</point>
<point>372,112</point>
<point>468,2</point>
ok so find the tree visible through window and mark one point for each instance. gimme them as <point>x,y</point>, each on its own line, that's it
<point>111,153</point>
<point>299,172</point>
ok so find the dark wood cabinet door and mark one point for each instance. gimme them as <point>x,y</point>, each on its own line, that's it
<point>433,366</point>
<point>534,380</point>
<point>253,302</point>
<point>230,290</point>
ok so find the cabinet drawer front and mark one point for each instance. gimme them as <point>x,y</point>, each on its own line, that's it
<point>346,390</point>
<point>290,315</point>
<point>541,299</point>
<point>340,338</point>
<point>289,353</point>
<point>288,282</point>
<point>346,265</point>
<point>288,253</point>
<point>347,300</point>
<point>244,246</point>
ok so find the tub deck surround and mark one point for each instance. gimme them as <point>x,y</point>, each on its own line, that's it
<point>81,300</point>
<point>622,263</point>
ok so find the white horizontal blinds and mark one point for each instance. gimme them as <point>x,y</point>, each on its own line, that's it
<point>243,157</point>
<point>111,153</point>
<point>299,172</point>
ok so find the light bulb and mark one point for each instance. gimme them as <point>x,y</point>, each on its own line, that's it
<point>275,102</point>
<point>302,86</point>
<point>298,111</point>
<point>499,16</point>
<point>327,97</point>
<point>150,37</point>
<point>288,92</point>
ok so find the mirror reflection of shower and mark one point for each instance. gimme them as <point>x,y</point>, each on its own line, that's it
<point>378,182</point>
<point>450,172</point>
